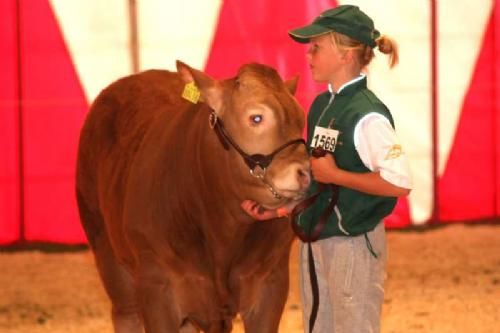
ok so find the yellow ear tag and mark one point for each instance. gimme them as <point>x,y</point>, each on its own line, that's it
<point>191,93</point>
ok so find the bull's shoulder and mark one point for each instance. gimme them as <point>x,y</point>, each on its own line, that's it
<point>123,112</point>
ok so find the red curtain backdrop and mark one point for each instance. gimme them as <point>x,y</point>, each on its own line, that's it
<point>53,107</point>
<point>42,108</point>
<point>469,187</point>
<point>9,135</point>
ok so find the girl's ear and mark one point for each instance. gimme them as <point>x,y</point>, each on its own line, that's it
<point>347,56</point>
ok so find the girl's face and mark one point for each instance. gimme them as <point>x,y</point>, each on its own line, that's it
<point>324,58</point>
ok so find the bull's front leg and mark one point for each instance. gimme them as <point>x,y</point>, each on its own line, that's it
<point>155,296</point>
<point>267,297</point>
<point>227,305</point>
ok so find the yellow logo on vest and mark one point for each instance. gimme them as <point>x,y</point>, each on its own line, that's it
<point>394,152</point>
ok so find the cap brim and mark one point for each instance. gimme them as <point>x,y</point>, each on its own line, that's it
<point>304,34</point>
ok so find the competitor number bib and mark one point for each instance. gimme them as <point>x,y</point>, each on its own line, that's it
<point>325,138</point>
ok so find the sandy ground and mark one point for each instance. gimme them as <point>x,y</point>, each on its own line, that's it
<point>440,280</point>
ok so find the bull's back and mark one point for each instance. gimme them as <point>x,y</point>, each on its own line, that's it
<point>113,131</point>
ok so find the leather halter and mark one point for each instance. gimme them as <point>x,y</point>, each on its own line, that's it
<point>252,161</point>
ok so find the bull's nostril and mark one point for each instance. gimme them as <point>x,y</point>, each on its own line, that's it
<point>303,177</point>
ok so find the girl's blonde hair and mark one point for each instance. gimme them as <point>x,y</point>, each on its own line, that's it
<point>364,52</point>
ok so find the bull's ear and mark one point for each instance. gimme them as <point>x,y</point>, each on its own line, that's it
<point>210,89</point>
<point>291,84</point>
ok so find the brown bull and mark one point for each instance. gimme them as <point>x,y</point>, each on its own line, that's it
<point>159,189</point>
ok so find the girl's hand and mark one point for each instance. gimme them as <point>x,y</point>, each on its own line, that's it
<point>255,210</point>
<point>324,169</point>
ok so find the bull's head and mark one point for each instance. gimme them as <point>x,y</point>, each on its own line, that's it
<point>263,122</point>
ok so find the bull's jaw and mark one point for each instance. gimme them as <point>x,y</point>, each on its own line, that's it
<point>288,197</point>
<point>285,195</point>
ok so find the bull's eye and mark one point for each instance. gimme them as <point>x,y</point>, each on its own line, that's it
<point>256,119</point>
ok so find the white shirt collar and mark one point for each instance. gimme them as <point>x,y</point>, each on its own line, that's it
<point>360,77</point>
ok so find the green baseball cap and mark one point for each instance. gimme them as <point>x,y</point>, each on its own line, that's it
<point>346,19</point>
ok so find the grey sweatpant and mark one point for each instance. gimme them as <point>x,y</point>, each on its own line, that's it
<point>351,283</point>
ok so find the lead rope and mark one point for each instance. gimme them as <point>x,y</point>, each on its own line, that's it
<point>313,235</point>
<point>313,278</point>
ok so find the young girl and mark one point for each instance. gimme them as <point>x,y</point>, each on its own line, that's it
<point>365,160</point>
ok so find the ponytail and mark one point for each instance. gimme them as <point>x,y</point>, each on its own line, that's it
<point>364,53</point>
<point>388,46</point>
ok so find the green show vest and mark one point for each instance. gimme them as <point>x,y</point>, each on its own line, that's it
<point>356,212</point>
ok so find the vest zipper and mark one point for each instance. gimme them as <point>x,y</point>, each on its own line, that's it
<point>324,110</point>
<point>336,208</point>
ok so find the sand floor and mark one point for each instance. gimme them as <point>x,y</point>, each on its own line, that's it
<point>440,280</point>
